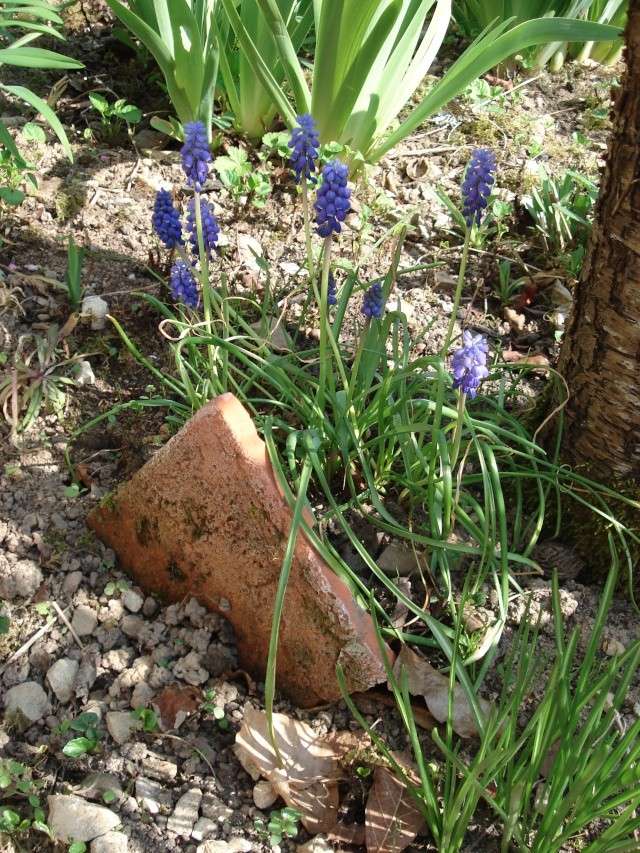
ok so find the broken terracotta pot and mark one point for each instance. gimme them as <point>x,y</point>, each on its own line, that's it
<point>205,517</point>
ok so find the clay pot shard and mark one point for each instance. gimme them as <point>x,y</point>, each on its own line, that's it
<point>205,518</point>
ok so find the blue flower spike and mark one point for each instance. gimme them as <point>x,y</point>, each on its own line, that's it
<point>332,200</point>
<point>373,302</point>
<point>196,155</point>
<point>304,144</point>
<point>478,181</point>
<point>210,227</point>
<point>166,220</point>
<point>469,364</point>
<point>183,285</point>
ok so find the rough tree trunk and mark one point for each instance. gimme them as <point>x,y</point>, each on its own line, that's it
<point>600,357</point>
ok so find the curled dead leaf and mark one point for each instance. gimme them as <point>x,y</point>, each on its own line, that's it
<point>307,779</point>
<point>514,319</point>
<point>424,680</point>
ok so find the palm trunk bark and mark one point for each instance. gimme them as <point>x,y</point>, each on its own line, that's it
<point>600,357</point>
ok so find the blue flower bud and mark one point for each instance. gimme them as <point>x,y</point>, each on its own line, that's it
<point>332,200</point>
<point>373,302</point>
<point>183,284</point>
<point>195,154</point>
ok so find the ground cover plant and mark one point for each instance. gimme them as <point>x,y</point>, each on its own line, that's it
<point>428,448</point>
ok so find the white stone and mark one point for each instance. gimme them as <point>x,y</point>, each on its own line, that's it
<point>112,842</point>
<point>204,827</point>
<point>61,678</point>
<point>85,620</point>
<point>185,813</point>
<point>26,704</point>
<point>95,309</point>
<point>73,819</point>
<point>151,795</point>
<point>120,725</point>
<point>264,795</point>
<point>318,844</point>
<point>132,600</point>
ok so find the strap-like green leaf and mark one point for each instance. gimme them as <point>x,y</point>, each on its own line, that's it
<point>36,57</point>
<point>45,111</point>
<point>485,54</point>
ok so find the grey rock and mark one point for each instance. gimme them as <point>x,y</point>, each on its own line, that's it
<point>397,559</point>
<point>151,795</point>
<point>132,625</point>
<point>72,818</point>
<point>71,582</point>
<point>61,678</point>
<point>213,807</point>
<point>26,703</point>
<point>190,669</point>
<point>85,620</point>
<point>150,606</point>
<point>185,813</point>
<point>142,695</point>
<point>120,725</point>
<point>132,600</point>
<point>112,842</point>
<point>18,580</point>
<point>159,768</point>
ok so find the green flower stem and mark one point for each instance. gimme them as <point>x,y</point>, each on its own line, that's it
<point>325,330</point>
<point>204,281</point>
<point>458,294</point>
<point>457,436</point>
<point>310,265</point>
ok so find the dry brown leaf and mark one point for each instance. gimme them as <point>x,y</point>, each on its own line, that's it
<point>308,777</point>
<point>424,680</point>
<point>174,704</point>
<point>392,818</point>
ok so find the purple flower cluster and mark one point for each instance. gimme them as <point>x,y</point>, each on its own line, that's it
<point>210,227</point>
<point>195,154</point>
<point>166,220</point>
<point>183,284</point>
<point>332,201</point>
<point>476,188</point>
<point>304,144</point>
<point>373,302</point>
<point>469,363</point>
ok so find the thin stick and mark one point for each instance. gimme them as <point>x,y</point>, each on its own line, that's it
<point>72,630</point>
<point>26,646</point>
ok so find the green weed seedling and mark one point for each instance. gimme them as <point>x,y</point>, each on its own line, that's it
<point>283,823</point>
<point>88,742</point>
<point>561,209</point>
<point>115,116</point>
<point>146,718</point>
<point>77,847</point>
<point>73,276</point>
<point>20,805</point>
<point>209,707</point>
<point>115,587</point>
<point>507,287</point>
<point>240,178</point>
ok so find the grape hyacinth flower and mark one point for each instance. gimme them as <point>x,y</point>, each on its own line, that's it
<point>476,188</point>
<point>469,363</point>
<point>332,293</point>
<point>304,144</point>
<point>373,302</point>
<point>195,154</point>
<point>166,220</point>
<point>210,227</point>
<point>332,201</point>
<point>183,284</point>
